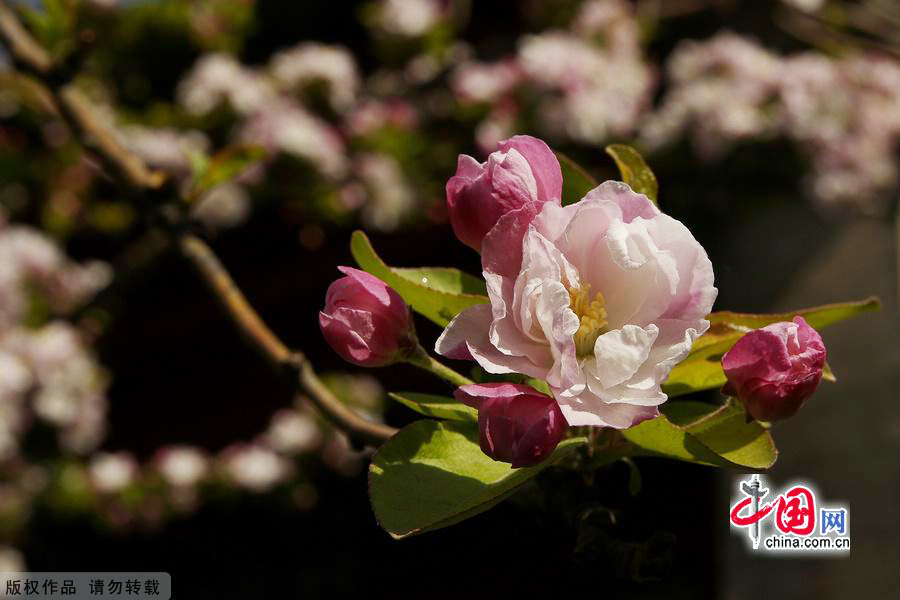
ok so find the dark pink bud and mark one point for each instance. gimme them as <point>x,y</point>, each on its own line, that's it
<point>774,370</point>
<point>365,321</point>
<point>517,424</point>
<point>522,174</point>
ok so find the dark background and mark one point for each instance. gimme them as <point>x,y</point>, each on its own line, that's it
<point>182,374</point>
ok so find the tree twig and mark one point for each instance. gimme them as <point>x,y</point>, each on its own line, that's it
<point>273,349</point>
<point>96,134</point>
<point>28,56</point>
<point>820,34</point>
<point>22,47</point>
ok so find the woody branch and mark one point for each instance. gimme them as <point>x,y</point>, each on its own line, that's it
<point>132,173</point>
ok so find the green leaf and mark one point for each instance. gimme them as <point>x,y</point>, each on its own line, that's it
<point>726,432</point>
<point>634,170</point>
<point>433,474</point>
<point>660,437</point>
<point>441,407</point>
<point>704,434</point>
<point>576,181</point>
<point>53,24</point>
<point>438,293</point>
<point>540,385</point>
<point>444,279</point>
<point>222,167</point>
<point>816,316</point>
<point>702,369</point>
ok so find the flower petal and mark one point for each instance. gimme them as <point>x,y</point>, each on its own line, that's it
<point>696,293</point>
<point>466,337</point>
<point>621,352</point>
<point>507,333</point>
<point>501,249</point>
<point>587,409</point>
<point>467,325</point>
<point>512,180</point>
<point>546,169</point>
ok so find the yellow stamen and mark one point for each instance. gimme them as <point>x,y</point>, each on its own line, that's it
<point>592,314</point>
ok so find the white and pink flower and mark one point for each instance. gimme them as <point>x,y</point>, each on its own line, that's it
<point>601,299</point>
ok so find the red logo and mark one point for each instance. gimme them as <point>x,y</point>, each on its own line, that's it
<point>797,521</point>
<point>795,511</point>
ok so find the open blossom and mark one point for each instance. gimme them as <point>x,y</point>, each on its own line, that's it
<point>255,467</point>
<point>283,125</point>
<point>181,466</point>
<point>164,148</point>
<point>226,205</point>
<point>409,18</point>
<point>516,423</point>
<point>722,91</point>
<point>520,176</point>
<point>15,381</point>
<point>372,114</point>
<point>111,472</point>
<point>390,197</point>
<point>219,77</point>
<point>773,370</point>
<point>600,299</point>
<point>293,432</point>
<point>52,370</point>
<point>475,81</point>
<point>11,560</point>
<point>588,91</point>
<point>33,262</point>
<point>312,62</point>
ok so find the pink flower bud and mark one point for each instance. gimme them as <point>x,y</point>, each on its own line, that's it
<point>517,424</point>
<point>522,174</point>
<point>365,321</point>
<point>773,370</point>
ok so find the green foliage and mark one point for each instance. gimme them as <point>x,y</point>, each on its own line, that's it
<point>702,369</point>
<point>634,170</point>
<point>438,293</point>
<point>576,180</point>
<point>52,25</point>
<point>704,434</point>
<point>222,167</point>
<point>433,474</point>
<point>816,316</point>
<point>539,384</point>
<point>441,407</point>
<point>71,492</point>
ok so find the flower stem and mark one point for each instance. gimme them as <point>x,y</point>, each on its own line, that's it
<point>423,360</point>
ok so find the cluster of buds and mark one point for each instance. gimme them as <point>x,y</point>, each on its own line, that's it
<point>772,370</point>
<point>368,324</point>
